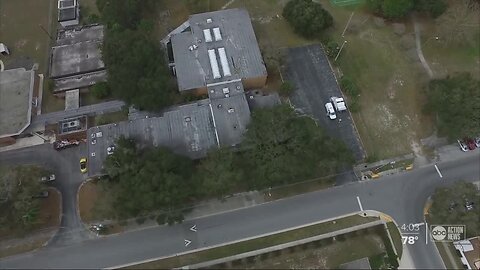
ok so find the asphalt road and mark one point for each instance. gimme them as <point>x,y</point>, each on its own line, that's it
<point>401,196</point>
<point>65,165</point>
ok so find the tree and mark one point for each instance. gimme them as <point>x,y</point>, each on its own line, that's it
<point>123,13</point>
<point>286,88</point>
<point>283,148</point>
<point>307,18</point>
<point>448,207</point>
<point>219,173</point>
<point>101,90</point>
<point>396,9</point>
<point>148,180</point>
<point>18,206</point>
<point>456,103</point>
<point>434,8</point>
<point>392,9</point>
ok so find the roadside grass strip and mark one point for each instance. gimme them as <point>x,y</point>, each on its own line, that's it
<point>254,244</point>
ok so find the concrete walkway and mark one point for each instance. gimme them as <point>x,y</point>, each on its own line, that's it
<point>419,49</point>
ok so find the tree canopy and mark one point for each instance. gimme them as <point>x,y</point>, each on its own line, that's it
<point>136,67</point>
<point>456,103</point>
<point>284,148</point>
<point>397,9</point>
<point>448,207</point>
<point>18,187</point>
<point>148,180</point>
<point>307,18</point>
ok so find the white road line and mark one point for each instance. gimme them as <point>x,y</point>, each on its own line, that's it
<point>359,203</point>
<point>438,171</point>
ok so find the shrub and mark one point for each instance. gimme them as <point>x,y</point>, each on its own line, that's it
<point>286,88</point>
<point>307,18</point>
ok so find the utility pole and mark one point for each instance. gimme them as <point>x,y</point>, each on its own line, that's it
<point>46,32</point>
<point>339,51</point>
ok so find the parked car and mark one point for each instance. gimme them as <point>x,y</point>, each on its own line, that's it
<point>83,165</point>
<point>463,145</point>
<point>330,111</point>
<point>338,103</point>
<point>477,142</point>
<point>470,144</point>
<point>49,178</point>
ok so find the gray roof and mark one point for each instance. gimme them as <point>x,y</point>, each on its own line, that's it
<point>67,14</point>
<point>187,130</point>
<point>231,116</point>
<point>227,89</point>
<point>79,81</point>
<point>16,90</point>
<point>82,57</point>
<point>263,101</point>
<point>93,32</point>
<point>238,38</point>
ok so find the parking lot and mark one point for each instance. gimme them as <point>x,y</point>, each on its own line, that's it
<point>309,71</point>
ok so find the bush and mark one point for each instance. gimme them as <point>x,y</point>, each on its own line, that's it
<point>286,88</point>
<point>332,48</point>
<point>349,86</point>
<point>101,90</point>
<point>392,9</point>
<point>161,219</point>
<point>434,8</point>
<point>140,220</point>
<point>307,18</point>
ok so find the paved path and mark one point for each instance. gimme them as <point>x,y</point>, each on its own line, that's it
<point>39,121</point>
<point>402,196</point>
<point>419,49</point>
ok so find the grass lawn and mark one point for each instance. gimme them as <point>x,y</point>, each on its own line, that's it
<point>113,117</point>
<point>254,244</point>
<point>87,196</point>
<point>396,238</point>
<point>330,256</point>
<point>444,249</point>
<point>21,23</point>
<point>299,188</point>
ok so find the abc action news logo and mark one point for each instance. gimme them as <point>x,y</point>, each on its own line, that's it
<point>448,233</point>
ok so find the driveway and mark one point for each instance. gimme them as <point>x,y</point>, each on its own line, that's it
<point>401,196</point>
<point>309,70</point>
<point>65,165</point>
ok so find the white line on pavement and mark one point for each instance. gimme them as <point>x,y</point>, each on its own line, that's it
<point>438,171</point>
<point>359,203</point>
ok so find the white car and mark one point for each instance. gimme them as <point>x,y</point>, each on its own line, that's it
<point>330,111</point>
<point>463,146</point>
<point>338,103</point>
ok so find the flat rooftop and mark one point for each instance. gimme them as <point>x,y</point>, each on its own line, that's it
<point>93,32</point>
<point>79,81</point>
<point>67,14</point>
<point>82,57</point>
<point>220,46</point>
<point>187,130</point>
<point>231,116</point>
<point>16,90</point>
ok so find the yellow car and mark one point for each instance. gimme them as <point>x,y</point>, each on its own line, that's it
<point>83,165</point>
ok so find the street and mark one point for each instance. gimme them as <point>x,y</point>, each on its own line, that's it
<point>401,196</point>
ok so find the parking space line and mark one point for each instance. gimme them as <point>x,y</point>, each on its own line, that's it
<point>359,203</point>
<point>438,171</point>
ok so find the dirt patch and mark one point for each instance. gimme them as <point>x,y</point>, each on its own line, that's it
<point>87,196</point>
<point>50,209</point>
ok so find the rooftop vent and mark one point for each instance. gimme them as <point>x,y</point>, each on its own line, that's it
<point>231,110</point>
<point>219,106</point>
<point>209,20</point>
<point>226,90</point>
<point>192,47</point>
<point>188,119</point>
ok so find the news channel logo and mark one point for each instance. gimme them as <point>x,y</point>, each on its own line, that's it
<point>448,233</point>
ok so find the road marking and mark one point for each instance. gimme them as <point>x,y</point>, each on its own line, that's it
<point>359,203</point>
<point>193,228</point>
<point>187,242</point>
<point>438,171</point>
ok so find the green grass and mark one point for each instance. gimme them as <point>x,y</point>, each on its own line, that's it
<point>113,117</point>
<point>24,36</point>
<point>399,164</point>
<point>300,188</point>
<point>254,244</point>
<point>443,250</point>
<point>396,238</point>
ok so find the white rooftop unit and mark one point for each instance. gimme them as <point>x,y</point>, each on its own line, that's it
<point>217,34</point>
<point>207,34</point>
<point>214,64</point>
<point>224,62</point>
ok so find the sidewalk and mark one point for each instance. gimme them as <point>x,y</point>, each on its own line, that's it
<point>26,142</point>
